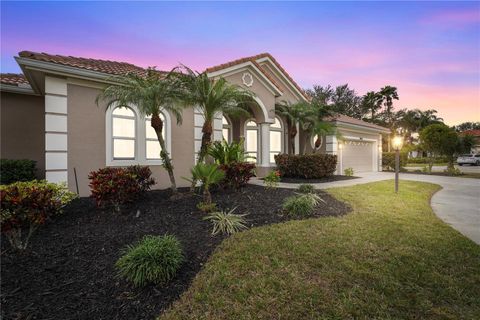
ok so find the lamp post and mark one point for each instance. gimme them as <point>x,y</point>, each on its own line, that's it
<point>397,143</point>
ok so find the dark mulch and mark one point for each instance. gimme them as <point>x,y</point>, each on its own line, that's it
<point>68,271</point>
<point>321,180</point>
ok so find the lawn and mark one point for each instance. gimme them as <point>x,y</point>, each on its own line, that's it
<point>391,258</point>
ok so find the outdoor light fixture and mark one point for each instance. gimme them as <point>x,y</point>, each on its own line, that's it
<point>397,143</point>
<point>340,145</point>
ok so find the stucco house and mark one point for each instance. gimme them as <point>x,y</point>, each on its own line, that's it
<point>49,114</point>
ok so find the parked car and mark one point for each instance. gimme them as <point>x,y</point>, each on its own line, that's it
<point>473,159</point>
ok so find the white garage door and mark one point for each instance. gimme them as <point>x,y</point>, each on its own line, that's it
<point>357,155</point>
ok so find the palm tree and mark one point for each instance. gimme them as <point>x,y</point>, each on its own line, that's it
<point>296,113</point>
<point>315,124</point>
<point>212,97</point>
<point>388,94</point>
<point>372,103</point>
<point>150,93</point>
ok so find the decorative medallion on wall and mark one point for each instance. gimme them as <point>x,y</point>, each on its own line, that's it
<point>247,79</point>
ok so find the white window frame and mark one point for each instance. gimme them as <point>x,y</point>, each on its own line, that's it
<point>227,126</point>
<point>282,133</point>
<point>257,128</point>
<point>140,139</point>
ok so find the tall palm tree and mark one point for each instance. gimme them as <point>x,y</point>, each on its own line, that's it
<point>372,103</point>
<point>294,113</point>
<point>150,93</point>
<point>388,94</point>
<point>315,123</point>
<point>212,97</point>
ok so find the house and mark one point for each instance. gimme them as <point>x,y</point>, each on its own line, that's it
<point>476,137</point>
<point>49,114</point>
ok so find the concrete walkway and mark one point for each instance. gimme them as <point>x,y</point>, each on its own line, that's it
<point>457,204</point>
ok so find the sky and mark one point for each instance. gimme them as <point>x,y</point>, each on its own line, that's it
<point>429,50</point>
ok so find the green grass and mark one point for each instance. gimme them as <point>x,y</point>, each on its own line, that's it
<point>391,258</point>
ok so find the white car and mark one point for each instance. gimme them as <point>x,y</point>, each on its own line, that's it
<point>473,159</point>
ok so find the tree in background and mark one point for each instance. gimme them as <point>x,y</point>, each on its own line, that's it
<point>371,104</point>
<point>439,140</point>
<point>294,113</point>
<point>342,100</point>
<point>467,126</point>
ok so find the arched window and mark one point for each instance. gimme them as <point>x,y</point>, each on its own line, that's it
<point>226,129</point>
<point>152,146</point>
<point>276,139</point>
<point>123,133</point>
<point>251,140</point>
<point>130,138</point>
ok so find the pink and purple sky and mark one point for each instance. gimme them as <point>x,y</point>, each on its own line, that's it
<point>429,50</point>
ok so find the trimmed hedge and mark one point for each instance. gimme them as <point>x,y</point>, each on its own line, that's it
<point>307,166</point>
<point>425,160</point>
<point>17,170</point>
<point>388,160</point>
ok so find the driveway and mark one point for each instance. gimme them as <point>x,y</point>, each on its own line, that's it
<point>457,204</point>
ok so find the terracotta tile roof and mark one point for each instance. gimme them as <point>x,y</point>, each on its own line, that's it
<point>254,59</point>
<point>14,79</point>
<point>104,66</point>
<point>358,122</point>
<point>472,132</point>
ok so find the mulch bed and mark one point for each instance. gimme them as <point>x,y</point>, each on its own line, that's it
<point>68,270</point>
<point>321,180</point>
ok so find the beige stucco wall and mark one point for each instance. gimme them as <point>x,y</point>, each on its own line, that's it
<point>86,141</point>
<point>287,94</point>
<point>22,128</point>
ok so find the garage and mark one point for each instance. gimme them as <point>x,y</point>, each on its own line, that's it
<point>358,155</point>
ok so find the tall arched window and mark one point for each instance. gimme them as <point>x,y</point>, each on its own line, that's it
<point>123,133</point>
<point>226,129</point>
<point>130,138</point>
<point>251,140</point>
<point>152,146</point>
<point>276,139</point>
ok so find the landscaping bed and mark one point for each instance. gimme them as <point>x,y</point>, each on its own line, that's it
<point>320,180</point>
<point>68,270</point>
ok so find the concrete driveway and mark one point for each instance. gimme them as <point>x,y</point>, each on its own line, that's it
<point>457,204</point>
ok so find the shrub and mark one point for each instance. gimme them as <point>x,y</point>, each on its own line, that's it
<point>348,172</point>
<point>155,259</point>
<point>306,188</point>
<point>226,222</point>
<point>25,206</point>
<point>237,174</point>
<point>452,171</point>
<point>427,169</point>
<point>388,160</point>
<point>307,166</point>
<point>424,160</point>
<point>206,207</point>
<point>272,179</point>
<point>116,186</point>
<point>301,205</point>
<point>17,170</point>
<point>225,153</point>
<point>208,174</point>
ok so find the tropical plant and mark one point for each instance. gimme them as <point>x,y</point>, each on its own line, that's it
<point>206,207</point>
<point>154,259</point>
<point>208,174</point>
<point>272,179</point>
<point>388,94</point>
<point>301,204</point>
<point>17,170</point>
<point>150,93</point>
<point>306,188</point>
<point>237,174</point>
<point>212,97</point>
<point>225,153</point>
<point>226,222</point>
<point>25,206</point>
<point>296,113</point>
<point>348,172</point>
<point>371,104</point>
<point>467,126</point>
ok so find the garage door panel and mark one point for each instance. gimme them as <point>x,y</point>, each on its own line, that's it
<point>357,155</point>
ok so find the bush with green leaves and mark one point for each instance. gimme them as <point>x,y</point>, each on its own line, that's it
<point>225,153</point>
<point>226,222</point>
<point>206,207</point>
<point>17,170</point>
<point>272,179</point>
<point>301,205</point>
<point>154,259</point>
<point>25,206</point>
<point>348,172</point>
<point>306,188</point>
<point>388,160</point>
<point>208,174</point>
<point>306,166</point>
<point>452,171</point>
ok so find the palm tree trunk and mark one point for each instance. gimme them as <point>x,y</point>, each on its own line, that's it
<point>157,125</point>
<point>207,131</point>
<point>292,133</point>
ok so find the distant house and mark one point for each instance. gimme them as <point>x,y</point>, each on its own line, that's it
<point>476,136</point>
<point>49,114</point>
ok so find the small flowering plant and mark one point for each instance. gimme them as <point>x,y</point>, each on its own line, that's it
<point>272,179</point>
